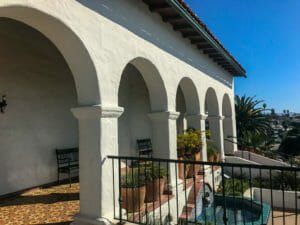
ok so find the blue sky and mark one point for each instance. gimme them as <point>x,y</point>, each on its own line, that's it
<point>264,36</point>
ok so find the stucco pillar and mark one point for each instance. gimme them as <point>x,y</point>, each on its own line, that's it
<point>98,138</point>
<point>229,137</point>
<point>165,138</point>
<point>216,128</point>
<point>182,124</point>
<point>197,121</point>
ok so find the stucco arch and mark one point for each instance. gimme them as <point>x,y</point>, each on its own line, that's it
<point>154,83</point>
<point>226,106</point>
<point>188,105</point>
<point>191,96</point>
<point>211,103</point>
<point>228,131</point>
<point>67,42</point>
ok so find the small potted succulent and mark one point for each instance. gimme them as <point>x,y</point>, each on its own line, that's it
<point>133,190</point>
<point>155,182</point>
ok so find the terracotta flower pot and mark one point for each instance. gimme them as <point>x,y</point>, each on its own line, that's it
<point>191,170</point>
<point>133,198</point>
<point>217,157</point>
<point>154,189</point>
<point>181,174</point>
<point>198,157</point>
<point>211,158</point>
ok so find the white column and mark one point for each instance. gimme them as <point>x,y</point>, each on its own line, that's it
<point>98,138</point>
<point>197,122</point>
<point>229,137</point>
<point>164,134</point>
<point>216,128</point>
<point>181,123</point>
<point>165,138</point>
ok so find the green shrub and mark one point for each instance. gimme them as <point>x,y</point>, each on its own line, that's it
<point>155,172</point>
<point>280,181</point>
<point>234,187</point>
<point>133,179</point>
<point>212,149</point>
<point>189,143</point>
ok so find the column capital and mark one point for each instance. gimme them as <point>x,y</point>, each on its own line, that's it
<point>227,117</point>
<point>164,115</point>
<point>197,116</point>
<point>97,112</point>
<point>216,117</point>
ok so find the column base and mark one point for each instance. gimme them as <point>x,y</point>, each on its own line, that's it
<point>83,220</point>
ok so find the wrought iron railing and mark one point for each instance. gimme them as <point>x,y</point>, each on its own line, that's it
<point>161,191</point>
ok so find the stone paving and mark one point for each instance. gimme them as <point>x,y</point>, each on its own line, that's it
<point>55,205</point>
<point>290,218</point>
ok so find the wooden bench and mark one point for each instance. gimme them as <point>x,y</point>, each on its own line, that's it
<point>67,162</point>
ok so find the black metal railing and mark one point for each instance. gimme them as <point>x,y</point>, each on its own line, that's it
<point>161,191</point>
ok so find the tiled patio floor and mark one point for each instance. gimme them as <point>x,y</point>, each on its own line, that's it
<point>55,205</point>
<point>290,218</point>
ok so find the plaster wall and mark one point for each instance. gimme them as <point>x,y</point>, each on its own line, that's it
<point>40,92</point>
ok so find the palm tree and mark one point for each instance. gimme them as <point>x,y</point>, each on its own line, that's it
<point>265,106</point>
<point>250,120</point>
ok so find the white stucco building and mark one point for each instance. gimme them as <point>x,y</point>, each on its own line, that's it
<point>100,74</point>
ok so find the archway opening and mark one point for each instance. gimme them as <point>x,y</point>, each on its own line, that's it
<point>187,104</point>
<point>134,123</point>
<point>140,93</point>
<point>228,125</point>
<point>40,91</point>
<point>213,120</point>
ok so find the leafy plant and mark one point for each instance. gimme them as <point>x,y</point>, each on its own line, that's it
<point>212,149</point>
<point>133,179</point>
<point>287,180</point>
<point>234,187</point>
<point>250,121</point>
<point>290,144</point>
<point>155,172</point>
<point>189,143</point>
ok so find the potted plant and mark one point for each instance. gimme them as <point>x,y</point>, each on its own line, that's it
<point>133,190</point>
<point>212,151</point>
<point>155,182</point>
<point>181,155</point>
<point>191,142</point>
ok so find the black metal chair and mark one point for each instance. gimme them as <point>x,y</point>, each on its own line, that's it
<point>67,162</point>
<point>144,147</point>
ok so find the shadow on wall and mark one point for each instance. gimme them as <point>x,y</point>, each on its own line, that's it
<point>144,29</point>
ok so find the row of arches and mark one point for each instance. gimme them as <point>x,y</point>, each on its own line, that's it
<point>142,91</point>
<point>74,79</point>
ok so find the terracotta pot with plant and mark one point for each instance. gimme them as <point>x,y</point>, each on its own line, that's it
<point>212,151</point>
<point>155,182</point>
<point>181,155</point>
<point>133,191</point>
<point>193,145</point>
